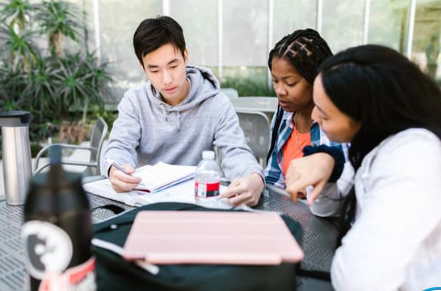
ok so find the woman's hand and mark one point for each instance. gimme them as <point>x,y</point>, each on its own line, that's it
<point>313,170</point>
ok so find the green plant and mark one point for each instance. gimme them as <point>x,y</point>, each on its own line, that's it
<point>80,81</point>
<point>21,47</point>
<point>53,85</point>
<point>41,87</point>
<point>248,81</point>
<point>248,87</point>
<point>12,82</point>
<point>16,13</point>
<point>109,116</point>
<point>58,20</point>
<point>15,34</point>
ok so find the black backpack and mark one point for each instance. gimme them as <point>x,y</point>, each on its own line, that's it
<point>114,273</point>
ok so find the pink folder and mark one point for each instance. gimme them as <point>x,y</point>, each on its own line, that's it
<point>211,237</point>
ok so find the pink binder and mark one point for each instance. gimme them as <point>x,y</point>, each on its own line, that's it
<point>211,237</point>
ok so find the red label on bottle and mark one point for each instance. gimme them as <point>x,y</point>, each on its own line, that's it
<point>206,190</point>
<point>79,278</point>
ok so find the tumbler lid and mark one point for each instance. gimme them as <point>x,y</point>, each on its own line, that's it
<point>14,118</point>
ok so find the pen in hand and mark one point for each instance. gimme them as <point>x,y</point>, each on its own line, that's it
<point>118,166</point>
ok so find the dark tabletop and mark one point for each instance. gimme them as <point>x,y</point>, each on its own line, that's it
<point>318,238</point>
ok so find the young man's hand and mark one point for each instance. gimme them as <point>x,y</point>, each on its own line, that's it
<point>121,181</point>
<point>245,190</point>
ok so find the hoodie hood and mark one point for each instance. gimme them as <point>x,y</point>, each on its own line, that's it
<point>203,85</point>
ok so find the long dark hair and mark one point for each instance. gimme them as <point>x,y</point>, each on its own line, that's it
<point>387,93</point>
<point>305,49</point>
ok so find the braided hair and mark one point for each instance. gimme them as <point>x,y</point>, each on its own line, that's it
<point>305,49</point>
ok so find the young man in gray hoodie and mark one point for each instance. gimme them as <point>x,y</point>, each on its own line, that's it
<point>176,115</point>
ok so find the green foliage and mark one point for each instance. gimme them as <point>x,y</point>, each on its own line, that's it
<point>109,116</point>
<point>16,13</point>
<point>58,19</point>
<point>12,83</point>
<point>54,85</point>
<point>248,87</point>
<point>248,81</point>
<point>21,47</point>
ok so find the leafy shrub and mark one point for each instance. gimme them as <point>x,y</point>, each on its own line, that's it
<point>54,84</point>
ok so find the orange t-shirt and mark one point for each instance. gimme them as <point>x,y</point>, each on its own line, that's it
<point>294,146</point>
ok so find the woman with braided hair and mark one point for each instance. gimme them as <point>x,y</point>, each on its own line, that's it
<point>294,63</point>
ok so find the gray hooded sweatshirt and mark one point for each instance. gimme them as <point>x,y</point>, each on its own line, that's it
<point>148,130</point>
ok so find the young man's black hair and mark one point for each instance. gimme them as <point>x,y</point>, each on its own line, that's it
<point>153,33</point>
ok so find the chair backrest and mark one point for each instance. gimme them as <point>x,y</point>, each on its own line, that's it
<point>230,92</point>
<point>97,137</point>
<point>256,128</point>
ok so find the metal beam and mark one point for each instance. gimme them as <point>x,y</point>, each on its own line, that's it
<point>97,27</point>
<point>367,11</point>
<point>220,40</point>
<point>411,28</point>
<point>166,7</point>
<point>319,16</point>
<point>270,38</point>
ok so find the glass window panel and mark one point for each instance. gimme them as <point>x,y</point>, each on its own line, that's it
<point>245,32</point>
<point>292,15</point>
<point>118,21</point>
<point>247,80</point>
<point>426,40</point>
<point>198,18</point>
<point>245,46</point>
<point>389,23</point>
<point>89,24</point>
<point>342,23</point>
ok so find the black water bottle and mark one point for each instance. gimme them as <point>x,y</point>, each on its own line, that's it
<point>57,231</point>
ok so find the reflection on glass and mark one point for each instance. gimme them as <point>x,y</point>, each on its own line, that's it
<point>247,80</point>
<point>342,23</point>
<point>118,21</point>
<point>292,15</point>
<point>245,38</point>
<point>426,41</point>
<point>389,23</point>
<point>200,29</point>
<point>245,32</point>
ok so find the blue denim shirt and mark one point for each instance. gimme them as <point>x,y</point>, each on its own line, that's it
<point>273,172</point>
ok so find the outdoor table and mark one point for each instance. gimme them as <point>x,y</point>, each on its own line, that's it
<point>318,239</point>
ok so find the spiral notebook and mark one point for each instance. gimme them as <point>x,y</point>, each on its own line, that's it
<point>211,237</point>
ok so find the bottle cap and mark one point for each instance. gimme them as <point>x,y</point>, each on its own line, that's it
<point>208,155</point>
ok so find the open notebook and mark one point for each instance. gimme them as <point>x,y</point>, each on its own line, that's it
<point>211,237</point>
<point>171,182</point>
<point>161,176</point>
<point>182,192</point>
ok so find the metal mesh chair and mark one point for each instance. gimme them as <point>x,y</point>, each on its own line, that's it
<point>256,128</point>
<point>98,135</point>
<point>230,92</point>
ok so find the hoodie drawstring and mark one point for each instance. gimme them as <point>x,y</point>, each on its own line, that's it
<point>179,121</point>
<point>164,111</point>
